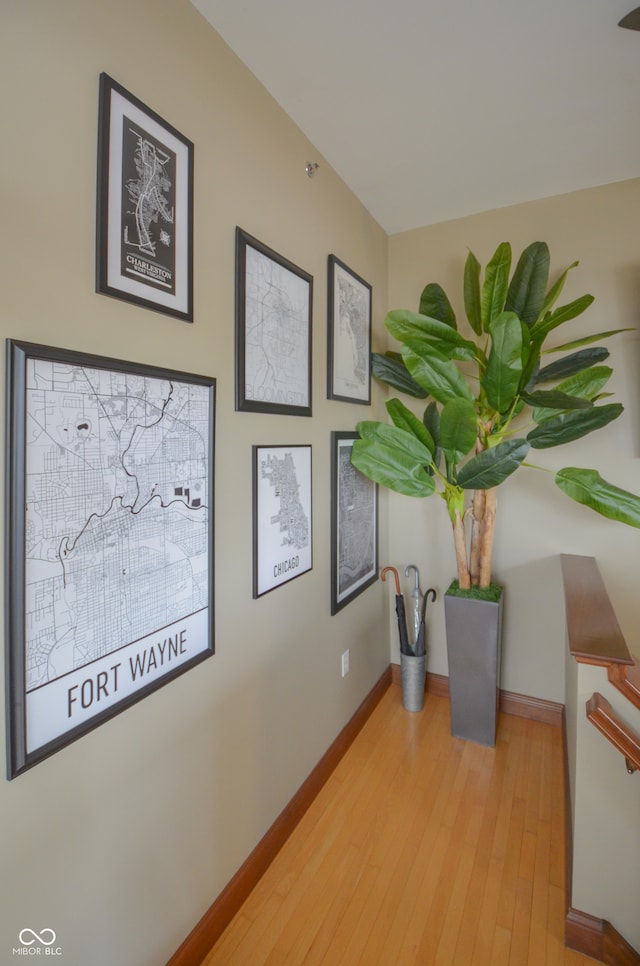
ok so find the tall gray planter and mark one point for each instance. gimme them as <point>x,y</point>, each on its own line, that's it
<point>474,632</point>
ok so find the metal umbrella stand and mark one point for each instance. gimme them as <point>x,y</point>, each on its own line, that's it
<point>412,667</point>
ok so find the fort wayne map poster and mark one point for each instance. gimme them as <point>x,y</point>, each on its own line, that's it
<point>110,545</point>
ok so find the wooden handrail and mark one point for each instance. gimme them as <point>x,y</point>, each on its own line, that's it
<point>592,626</point>
<point>601,714</point>
<point>627,680</point>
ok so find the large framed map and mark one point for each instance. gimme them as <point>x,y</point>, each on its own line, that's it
<point>110,539</point>
<point>348,334</point>
<point>144,232</point>
<point>354,525</point>
<point>273,331</point>
<point>282,535</point>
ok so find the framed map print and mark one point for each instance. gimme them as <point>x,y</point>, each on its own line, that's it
<point>354,525</point>
<point>144,245</point>
<point>349,335</point>
<point>273,331</point>
<point>282,548</point>
<point>110,539</point>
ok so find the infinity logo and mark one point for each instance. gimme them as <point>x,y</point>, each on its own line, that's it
<point>37,938</point>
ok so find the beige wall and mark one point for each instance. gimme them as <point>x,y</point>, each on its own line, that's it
<point>121,841</point>
<point>536,521</point>
<point>606,805</point>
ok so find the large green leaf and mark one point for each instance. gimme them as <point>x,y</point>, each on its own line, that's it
<point>404,325</point>
<point>587,383</point>
<point>391,369</point>
<point>493,466</point>
<point>393,458</point>
<point>394,437</point>
<point>554,400</point>
<point>588,340</point>
<point>530,363</point>
<point>578,391</point>
<point>528,285</point>
<point>589,488</point>
<point>431,419</point>
<point>553,294</point>
<point>403,418</point>
<point>461,351</point>
<point>573,363</point>
<point>564,314</point>
<point>458,429</point>
<point>572,425</point>
<point>504,367</point>
<point>496,284</point>
<point>438,375</point>
<point>434,303</point>
<point>472,302</point>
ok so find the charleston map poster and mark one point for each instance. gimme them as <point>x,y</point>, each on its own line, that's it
<point>145,206</point>
<point>111,564</point>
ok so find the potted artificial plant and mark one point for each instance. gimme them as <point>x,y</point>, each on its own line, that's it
<point>492,398</point>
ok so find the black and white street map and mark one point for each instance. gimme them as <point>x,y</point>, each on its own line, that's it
<point>277,333</point>
<point>283,525</point>
<point>356,525</point>
<point>117,537</point>
<point>148,209</point>
<point>350,337</point>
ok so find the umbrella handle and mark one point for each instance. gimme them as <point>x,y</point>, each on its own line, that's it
<point>430,593</point>
<point>407,571</point>
<point>392,570</point>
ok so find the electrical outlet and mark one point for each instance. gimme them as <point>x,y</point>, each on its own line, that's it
<point>345,663</point>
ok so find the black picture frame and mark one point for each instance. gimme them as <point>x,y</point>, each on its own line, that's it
<point>109,551</point>
<point>282,515</point>
<point>354,525</point>
<point>144,223</point>
<point>349,311</point>
<point>274,300</point>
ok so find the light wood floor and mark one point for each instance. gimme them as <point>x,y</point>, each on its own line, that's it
<point>420,849</point>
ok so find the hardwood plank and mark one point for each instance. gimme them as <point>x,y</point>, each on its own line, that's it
<point>420,849</point>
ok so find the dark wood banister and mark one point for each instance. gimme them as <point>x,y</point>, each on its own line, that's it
<point>627,680</point>
<point>595,638</point>
<point>601,714</point>
<point>592,626</point>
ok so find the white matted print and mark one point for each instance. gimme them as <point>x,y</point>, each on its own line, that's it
<point>273,331</point>
<point>145,206</point>
<point>349,335</point>
<point>110,549</point>
<point>282,534</point>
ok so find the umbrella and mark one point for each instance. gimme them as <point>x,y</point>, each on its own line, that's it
<point>400,612</point>
<point>414,606</point>
<point>421,647</point>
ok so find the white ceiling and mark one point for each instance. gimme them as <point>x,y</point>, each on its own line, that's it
<point>434,109</point>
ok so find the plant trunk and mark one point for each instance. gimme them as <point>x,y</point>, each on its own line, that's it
<point>477,520</point>
<point>483,518</point>
<point>460,543</point>
<point>486,542</point>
